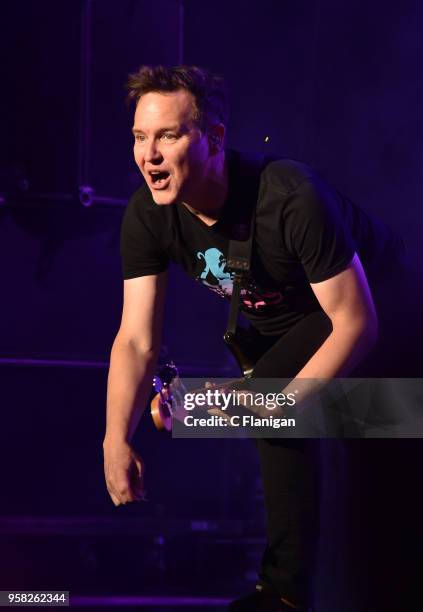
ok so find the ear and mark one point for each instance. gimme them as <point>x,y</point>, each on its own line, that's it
<point>216,137</point>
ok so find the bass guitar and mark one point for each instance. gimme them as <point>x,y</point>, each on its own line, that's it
<point>168,399</point>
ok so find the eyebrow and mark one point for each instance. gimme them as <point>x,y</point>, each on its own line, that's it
<point>170,128</point>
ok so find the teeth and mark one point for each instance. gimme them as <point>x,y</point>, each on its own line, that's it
<point>158,176</point>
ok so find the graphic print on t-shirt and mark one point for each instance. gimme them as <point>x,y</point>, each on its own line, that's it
<point>215,276</point>
<point>215,264</point>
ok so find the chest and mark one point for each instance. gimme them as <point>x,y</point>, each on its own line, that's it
<point>203,253</point>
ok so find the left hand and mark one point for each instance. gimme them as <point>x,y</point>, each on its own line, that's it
<point>244,399</point>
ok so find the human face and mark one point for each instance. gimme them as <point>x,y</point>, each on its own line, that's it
<point>170,150</point>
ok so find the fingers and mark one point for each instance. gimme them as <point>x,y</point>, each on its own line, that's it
<point>125,484</point>
<point>120,490</point>
<point>220,413</point>
<point>124,496</point>
<point>115,499</point>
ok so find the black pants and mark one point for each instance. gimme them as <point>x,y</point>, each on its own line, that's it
<point>289,469</point>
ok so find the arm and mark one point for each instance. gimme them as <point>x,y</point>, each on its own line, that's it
<point>319,236</point>
<point>132,364</point>
<point>347,300</point>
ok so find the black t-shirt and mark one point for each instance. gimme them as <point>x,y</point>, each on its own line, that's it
<point>306,232</point>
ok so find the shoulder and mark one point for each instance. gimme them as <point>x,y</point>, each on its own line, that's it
<point>294,189</point>
<point>286,175</point>
<point>297,200</point>
<point>279,175</point>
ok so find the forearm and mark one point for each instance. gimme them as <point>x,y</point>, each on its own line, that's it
<point>340,353</point>
<point>129,386</point>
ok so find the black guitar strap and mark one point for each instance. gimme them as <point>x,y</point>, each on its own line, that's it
<point>240,247</point>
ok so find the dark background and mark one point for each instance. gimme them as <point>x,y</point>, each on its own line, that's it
<point>337,85</point>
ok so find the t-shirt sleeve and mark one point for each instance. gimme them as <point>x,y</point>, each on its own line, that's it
<point>315,230</point>
<point>140,249</point>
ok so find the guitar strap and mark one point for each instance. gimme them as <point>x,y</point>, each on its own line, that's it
<point>240,247</point>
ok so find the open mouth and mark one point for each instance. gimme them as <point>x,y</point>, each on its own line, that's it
<point>159,178</point>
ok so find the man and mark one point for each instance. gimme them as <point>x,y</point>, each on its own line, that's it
<point>308,300</point>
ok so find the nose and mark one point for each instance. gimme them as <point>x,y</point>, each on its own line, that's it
<point>152,152</point>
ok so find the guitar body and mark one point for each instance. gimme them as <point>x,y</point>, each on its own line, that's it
<point>161,407</point>
<point>169,387</point>
<point>160,411</point>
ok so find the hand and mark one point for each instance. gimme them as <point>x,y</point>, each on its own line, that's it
<point>245,399</point>
<point>124,472</point>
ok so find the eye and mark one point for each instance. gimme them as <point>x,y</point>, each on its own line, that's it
<point>168,136</point>
<point>139,137</point>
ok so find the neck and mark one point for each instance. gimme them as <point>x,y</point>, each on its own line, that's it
<point>211,195</point>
